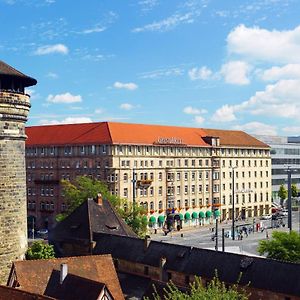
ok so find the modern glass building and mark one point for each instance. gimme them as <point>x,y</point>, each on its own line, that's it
<point>285,152</point>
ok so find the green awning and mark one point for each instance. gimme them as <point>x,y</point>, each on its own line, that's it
<point>194,215</point>
<point>181,217</point>
<point>208,214</point>
<point>201,214</point>
<point>161,219</point>
<point>217,213</point>
<point>187,216</point>
<point>152,219</point>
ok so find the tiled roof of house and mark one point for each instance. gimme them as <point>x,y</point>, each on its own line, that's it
<point>262,273</point>
<point>33,275</point>
<point>86,220</point>
<point>9,293</point>
<point>7,70</point>
<point>74,287</point>
<point>131,134</point>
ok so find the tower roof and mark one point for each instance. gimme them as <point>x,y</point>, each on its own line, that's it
<point>8,71</point>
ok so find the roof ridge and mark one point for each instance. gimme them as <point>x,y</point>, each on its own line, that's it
<point>12,68</point>
<point>89,130</point>
<point>109,131</point>
<point>64,258</point>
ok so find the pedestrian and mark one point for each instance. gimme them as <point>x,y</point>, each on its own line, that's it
<point>267,234</point>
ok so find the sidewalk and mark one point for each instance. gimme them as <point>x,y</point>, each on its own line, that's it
<point>190,229</point>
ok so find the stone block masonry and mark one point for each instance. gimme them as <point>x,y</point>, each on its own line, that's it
<point>14,108</point>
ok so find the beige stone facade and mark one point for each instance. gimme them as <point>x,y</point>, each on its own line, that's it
<point>191,180</point>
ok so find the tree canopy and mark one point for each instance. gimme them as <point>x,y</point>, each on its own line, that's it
<point>282,193</point>
<point>85,187</point>
<point>294,190</point>
<point>40,250</point>
<point>283,246</point>
<point>214,290</point>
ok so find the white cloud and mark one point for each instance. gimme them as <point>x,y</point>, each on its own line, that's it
<point>194,111</point>
<point>292,130</point>
<point>202,73</point>
<point>280,99</point>
<point>126,106</point>
<point>147,5</point>
<point>49,49</point>
<point>265,45</point>
<point>236,72</point>
<point>128,86</point>
<point>64,98</point>
<point>68,120</point>
<point>224,114</point>
<point>257,128</point>
<point>97,28</point>
<point>199,120</point>
<point>289,71</point>
<point>172,71</point>
<point>52,75</point>
<point>99,111</point>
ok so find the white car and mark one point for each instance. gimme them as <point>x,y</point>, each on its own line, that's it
<point>266,217</point>
<point>284,212</point>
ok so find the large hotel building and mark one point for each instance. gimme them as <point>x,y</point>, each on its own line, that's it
<point>189,171</point>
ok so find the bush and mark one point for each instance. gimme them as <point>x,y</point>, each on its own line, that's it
<point>40,250</point>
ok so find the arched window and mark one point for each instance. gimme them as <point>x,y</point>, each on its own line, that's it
<point>160,205</point>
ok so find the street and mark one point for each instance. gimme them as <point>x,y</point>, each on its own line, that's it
<point>202,236</point>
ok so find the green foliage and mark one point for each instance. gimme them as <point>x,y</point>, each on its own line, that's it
<point>40,250</point>
<point>215,290</point>
<point>283,246</point>
<point>294,190</point>
<point>85,187</point>
<point>282,193</point>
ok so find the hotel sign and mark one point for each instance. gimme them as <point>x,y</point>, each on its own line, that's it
<point>169,141</point>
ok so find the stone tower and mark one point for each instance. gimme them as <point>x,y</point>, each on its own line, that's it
<point>14,109</point>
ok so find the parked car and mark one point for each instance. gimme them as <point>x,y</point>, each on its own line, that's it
<point>284,212</point>
<point>266,217</point>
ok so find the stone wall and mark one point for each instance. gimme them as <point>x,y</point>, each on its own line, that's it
<point>14,109</point>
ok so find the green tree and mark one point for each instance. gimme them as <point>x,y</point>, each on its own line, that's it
<point>215,290</point>
<point>85,187</point>
<point>283,246</point>
<point>294,190</point>
<point>282,193</point>
<point>40,250</point>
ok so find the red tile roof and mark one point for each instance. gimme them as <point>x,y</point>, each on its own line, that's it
<point>33,275</point>
<point>9,293</point>
<point>135,134</point>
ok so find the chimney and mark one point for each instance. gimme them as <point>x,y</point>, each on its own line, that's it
<point>63,272</point>
<point>147,241</point>
<point>99,200</point>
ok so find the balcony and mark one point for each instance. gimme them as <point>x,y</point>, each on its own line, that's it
<point>144,183</point>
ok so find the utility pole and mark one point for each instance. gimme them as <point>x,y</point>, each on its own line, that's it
<point>133,188</point>
<point>223,240</point>
<point>216,236</point>
<point>233,231</point>
<point>289,172</point>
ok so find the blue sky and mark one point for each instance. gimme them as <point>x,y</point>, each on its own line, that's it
<point>200,63</point>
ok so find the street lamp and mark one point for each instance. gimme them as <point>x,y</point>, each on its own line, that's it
<point>133,188</point>
<point>289,173</point>
<point>232,189</point>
